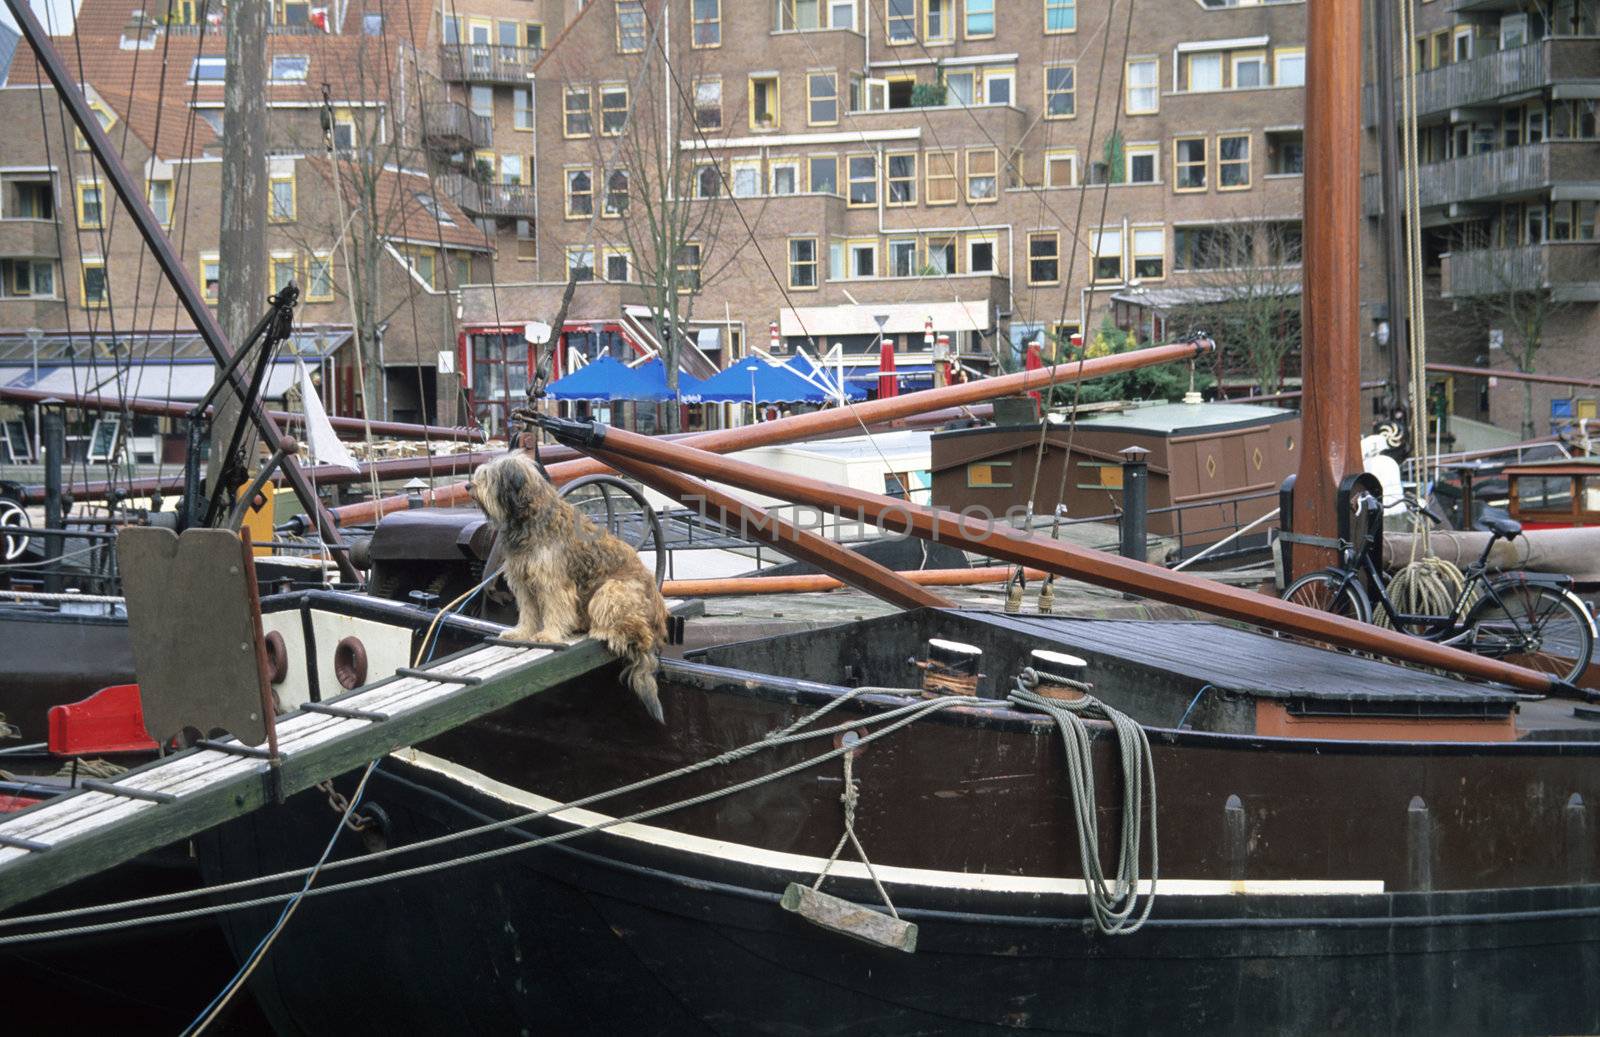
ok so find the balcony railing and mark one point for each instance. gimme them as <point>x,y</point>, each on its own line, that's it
<point>455,127</point>
<point>480,199</point>
<point>1491,175</point>
<point>487,63</point>
<point>1502,74</point>
<point>1568,270</point>
<point>22,238</point>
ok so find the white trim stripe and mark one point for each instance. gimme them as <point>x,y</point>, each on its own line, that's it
<point>801,864</point>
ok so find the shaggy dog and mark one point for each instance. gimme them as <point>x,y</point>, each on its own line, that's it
<point>569,575</point>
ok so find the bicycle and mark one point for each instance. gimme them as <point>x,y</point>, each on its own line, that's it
<point>1532,619</point>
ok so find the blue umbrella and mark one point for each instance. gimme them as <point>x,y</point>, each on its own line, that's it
<point>608,379</point>
<point>654,373</point>
<point>809,370</point>
<point>753,380</point>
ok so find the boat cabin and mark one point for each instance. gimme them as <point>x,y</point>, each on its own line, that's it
<point>1552,494</point>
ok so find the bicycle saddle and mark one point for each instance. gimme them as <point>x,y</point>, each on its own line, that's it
<point>1499,526</point>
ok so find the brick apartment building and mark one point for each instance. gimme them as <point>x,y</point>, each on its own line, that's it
<point>1507,98</point>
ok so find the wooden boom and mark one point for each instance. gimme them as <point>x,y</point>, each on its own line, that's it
<point>1003,542</point>
<point>841,419</point>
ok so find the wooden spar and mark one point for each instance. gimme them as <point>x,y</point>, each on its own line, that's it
<point>1002,542</point>
<point>131,194</point>
<point>1515,376</point>
<point>838,420</point>
<point>1331,296</point>
<point>171,409</point>
<point>746,520</point>
<point>815,582</point>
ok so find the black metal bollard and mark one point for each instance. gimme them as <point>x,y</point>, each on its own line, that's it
<point>1135,502</point>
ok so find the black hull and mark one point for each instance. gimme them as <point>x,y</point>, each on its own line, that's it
<point>610,934</point>
<point>50,659</point>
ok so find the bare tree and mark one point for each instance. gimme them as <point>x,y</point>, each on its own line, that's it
<point>1247,279</point>
<point>1519,315</point>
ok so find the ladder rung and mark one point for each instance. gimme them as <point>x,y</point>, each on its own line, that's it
<point>344,711</point>
<point>255,752</point>
<point>149,795</point>
<point>18,843</point>
<point>440,678</point>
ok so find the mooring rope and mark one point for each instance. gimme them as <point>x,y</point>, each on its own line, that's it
<point>1113,909</point>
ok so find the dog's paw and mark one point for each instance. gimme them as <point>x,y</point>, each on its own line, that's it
<point>520,634</point>
<point>551,636</point>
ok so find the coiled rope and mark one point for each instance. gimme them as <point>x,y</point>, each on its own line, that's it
<point>1113,909</point>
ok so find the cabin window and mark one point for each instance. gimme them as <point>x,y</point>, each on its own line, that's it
<point>1544,492</point>
<point>983,475</point>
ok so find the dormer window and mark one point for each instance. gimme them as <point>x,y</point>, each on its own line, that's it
<point>290,68</point>
<point>208,70</point>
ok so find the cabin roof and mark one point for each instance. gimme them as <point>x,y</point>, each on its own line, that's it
<point>1168,419</point>
<point>1556,466</point>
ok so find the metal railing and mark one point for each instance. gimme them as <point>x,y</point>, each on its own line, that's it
<point>451,123</point>
<point>1571,269</point>
<point>487,63</point>
<point>481,199</point>
<point>1481,177</point>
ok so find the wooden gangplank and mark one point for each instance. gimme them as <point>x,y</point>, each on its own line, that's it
<point>91,829</point>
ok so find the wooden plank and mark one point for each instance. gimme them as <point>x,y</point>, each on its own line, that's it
<point>88,832</point>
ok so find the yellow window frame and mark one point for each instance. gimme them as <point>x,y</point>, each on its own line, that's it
<point>1179,166</point>
<point>627,107</point>
<point>1279,53</point>
<point>578,250</point>
<point>1248,162</point>
<point>639,5</point>
<point>568,92</point>
<point>1054,237</point>
<point>98,186</point>
<point>567,194</point>
<point>1044,85</point>
<point>994,173</point>
<point>815,263</point>
<point>936,183</point>
<point>949,33</point>
<point>606,253</point>
<point>278,260</point>
<point>1237,57</point>
<point>84,266</point>
<point>993,241</point>
<point>1068,155</point>
<point>777,101</point>
<point>811,187</point>
<point>1095,255</point>
<point>1129,86</point>
<point>695,267</point>
<point>1065,5</point>
<point>811,98</point>
<point>273,215</point>
<point>890,19</point>
<point>850,180</point>
<point>1133,242</point>
<point>150,197</point>
<point>695,23</point>
<point>987,476</point>
<point>966,20</point>
<point>326,259</point>
<point>889,179</point>
<point>210,259</point>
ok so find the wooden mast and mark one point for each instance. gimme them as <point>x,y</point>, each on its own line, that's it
<point>1330,293</point>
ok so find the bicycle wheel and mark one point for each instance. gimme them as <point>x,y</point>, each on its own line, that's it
<point>1541,627</point>
<point>1329,590</point>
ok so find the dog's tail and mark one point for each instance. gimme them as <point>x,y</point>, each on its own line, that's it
<point>631,619</point>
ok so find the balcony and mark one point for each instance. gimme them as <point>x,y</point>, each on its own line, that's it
<point>487,63</point>
<point>1493,175</point>
<point>30,239</point>
<point>509,201</point>
<point>1568,270</point>
<point>1501,76</point>
<point>452,126</point>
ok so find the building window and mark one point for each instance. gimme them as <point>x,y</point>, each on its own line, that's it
<point>980,253</point>
<point>903,257</point>
<point>95,293</point>
<point>1289,66</point>
<point>580,193</point>
<point>630,26</point>
<point>983,181</point>
<point>941,253</point>
<point>1204,72</point>
<point>863,259</point>
<point>28,278</point>
<point>989,475</point>
<point>1108,255</point>
<point>1233,162</point>
<point>1044,258</point>
<point>522,108</point>
<point>1060,91</point>
<point>617,185</point>
<point>901,179</point>
<point>480,99</point>
<point>533,35</point>
<point>159,194</point>
<point>902,19</point>
<point>283,271</point>
<point>707,181</point>
<point>1213,247</point>
<point>91,205</point>
<point>1144,95</point>
<point>708,104</point>
<point>1189,163</point>
<point>842,14</point>
<point>999,86</point>
<point>1143,163</point>
<point>580,262</point>
<point>344,131</point>
<point>1285,244</point>
<point>863,180</point>
<point>1061,169</point>
<point>617,263</point>
<point>372,24</point>
<point>822,98</point>
<point>707,18</point>
<point>1060,15</point>
<point>980,19</point>
<point>33,199</point>
<point>319,277</point>
<point>613,110</point>
<point>785,178</point>
<point>802,262</point>
<point>822,173</point>
<point>579,119</point>
<point>1149,253</point>
<point>1249,70</point>
<point>937,25</point>
<point>746,177</point>
<point>689,267</point>
<point>281,199</point>
<point>208,70</point>
<point>1286,153</point>
<point>290,68</point>
<point>941,174</point>
<point>210,275</point>
<point>764,102</point>
<point>511,170</point>
<point>424,263</point>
